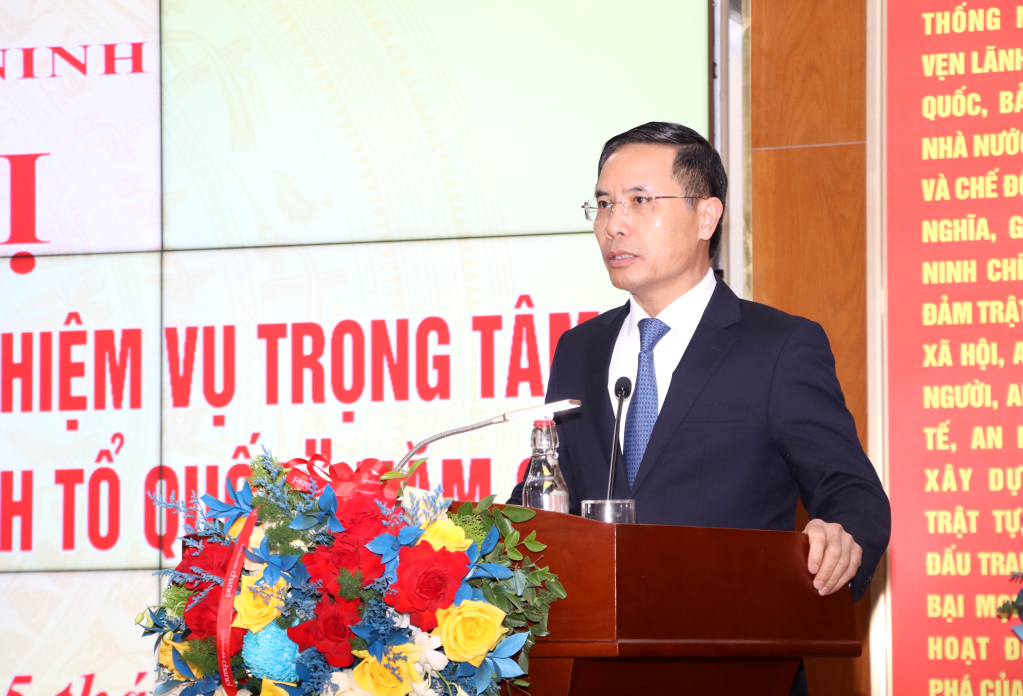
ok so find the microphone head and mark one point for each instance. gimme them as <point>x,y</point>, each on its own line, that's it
<point>623,387</point>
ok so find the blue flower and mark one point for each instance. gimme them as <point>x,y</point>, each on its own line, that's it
<point>328,508</point>
<point>477,569</point>
<point>497,663</point>
<point>159,626</point>
<point>277,565</point>
<point>387,546</point>
<point>377,629</point>
<point>241,507</point>
<point>314,671</point>
<point>270,653</point>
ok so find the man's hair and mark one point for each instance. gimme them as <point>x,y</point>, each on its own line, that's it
<point>697,167</point>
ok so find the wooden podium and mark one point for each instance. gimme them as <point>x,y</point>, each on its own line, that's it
<point>654,609</point>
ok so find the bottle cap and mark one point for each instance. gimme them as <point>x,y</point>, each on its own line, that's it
<point>542,423</point>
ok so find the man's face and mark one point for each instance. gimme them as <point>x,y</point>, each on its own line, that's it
<point>656,252</point>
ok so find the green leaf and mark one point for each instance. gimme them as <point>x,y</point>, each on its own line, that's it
<point>514,554</point>
<point>520,582</point>
<point>503,525</point>
<point>524,661</point>
<point>512,540</point>
<point>517,514</point>
<point>488,593</point>
<point>520,682</point>
<point>534,546</point>
<point>555,587</point>
<point>503,603</point>
<point>175,598</point>
<point>513,622</point>
<point>415,465</point>
<point>465,510</point>
<point>484,504</point>
<point>497,555</point>
<point>529,594</point>
<point>392,475</point>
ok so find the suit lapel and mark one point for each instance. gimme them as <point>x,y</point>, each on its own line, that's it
<point>707,348</point>
<point>597,397</point>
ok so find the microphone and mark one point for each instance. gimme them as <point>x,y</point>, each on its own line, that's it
<point>623,387</point>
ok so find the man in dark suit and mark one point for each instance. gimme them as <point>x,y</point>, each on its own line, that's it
<point>736,411</point>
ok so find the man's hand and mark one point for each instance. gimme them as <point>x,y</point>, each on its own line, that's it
<point>834,556</point>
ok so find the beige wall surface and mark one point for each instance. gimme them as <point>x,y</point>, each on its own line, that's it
<point>92,118</point>
<point>348,120</point>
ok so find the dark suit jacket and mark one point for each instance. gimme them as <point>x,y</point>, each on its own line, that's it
<point>753,420</point>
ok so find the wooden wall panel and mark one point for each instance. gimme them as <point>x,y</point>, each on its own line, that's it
<point>808,72</point>
<point>809,250</point>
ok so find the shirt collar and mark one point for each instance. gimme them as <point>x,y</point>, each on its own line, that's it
<point>679,313</point>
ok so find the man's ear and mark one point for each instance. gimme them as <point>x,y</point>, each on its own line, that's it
<point>709,211</point>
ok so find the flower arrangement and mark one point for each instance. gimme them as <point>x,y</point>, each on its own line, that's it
<point>330,581</point>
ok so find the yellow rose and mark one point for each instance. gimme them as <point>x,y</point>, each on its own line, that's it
<point>445,534</point>
<point>379,680</point>
<point>255,539</point>
<point>469,631</point>
<point>270,688</point>
<point>165,655</point>
<point>257,606</point>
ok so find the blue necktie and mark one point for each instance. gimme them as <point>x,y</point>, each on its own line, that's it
<point>642,412</point>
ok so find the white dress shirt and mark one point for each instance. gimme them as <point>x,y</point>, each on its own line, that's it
<point>682,316</point>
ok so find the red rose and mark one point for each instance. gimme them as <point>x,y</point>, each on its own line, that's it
<point>320,564</point>
<point>427,581</point>
<point>361,516</point>
<point>303,635</point>
<point>214,559</point>
<point>348,552</point>
<point>201,616</point>
<point>202,619</point>
<point>330,632</point>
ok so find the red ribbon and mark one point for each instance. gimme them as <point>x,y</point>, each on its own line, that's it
<point>226,607</point>
<point>365,480</point>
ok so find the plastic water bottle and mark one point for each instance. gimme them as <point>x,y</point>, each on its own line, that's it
<point>545,487</point>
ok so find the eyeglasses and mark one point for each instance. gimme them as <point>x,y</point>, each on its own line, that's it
<point>638,206</point>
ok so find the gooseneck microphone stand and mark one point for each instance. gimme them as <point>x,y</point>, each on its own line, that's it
<point>623,387</point>
<point>543,411</point>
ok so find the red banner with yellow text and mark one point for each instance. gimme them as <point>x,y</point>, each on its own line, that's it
<point>955,343</point>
